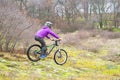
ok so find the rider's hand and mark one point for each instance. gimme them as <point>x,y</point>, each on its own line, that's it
<point>60,39</point>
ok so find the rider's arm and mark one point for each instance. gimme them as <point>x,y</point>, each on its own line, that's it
<point>53,34</point>
<point>48,37</point>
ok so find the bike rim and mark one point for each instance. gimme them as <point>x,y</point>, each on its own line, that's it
<point>60,57</point>
<point>34,53</point>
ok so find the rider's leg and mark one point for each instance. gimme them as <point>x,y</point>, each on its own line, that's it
<point>43,45</point>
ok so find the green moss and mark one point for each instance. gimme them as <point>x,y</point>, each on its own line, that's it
<point>116,29</point>
<point>112,70</point>
<point>103,51</point>
<point>81,65</point>
<point>3,67</point>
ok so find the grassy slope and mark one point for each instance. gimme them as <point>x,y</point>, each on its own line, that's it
<point>81,65</point>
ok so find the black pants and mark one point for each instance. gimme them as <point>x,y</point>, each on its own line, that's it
<point>43,45</point>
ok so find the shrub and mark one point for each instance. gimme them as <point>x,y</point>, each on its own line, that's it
<point>12,24</point>
<point>109,34</point>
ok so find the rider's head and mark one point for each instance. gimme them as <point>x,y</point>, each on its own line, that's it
<point>49,24</point>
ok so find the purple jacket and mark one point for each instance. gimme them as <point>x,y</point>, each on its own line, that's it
<point>45,31</point>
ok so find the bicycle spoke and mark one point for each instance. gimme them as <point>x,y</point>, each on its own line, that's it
<point>60,57</point>
<point>33,53</point>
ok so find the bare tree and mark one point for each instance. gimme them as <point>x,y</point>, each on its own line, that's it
<point>73,13</point>
<point>86,8</point>
<point>116,7</point>
<point>12,24</point>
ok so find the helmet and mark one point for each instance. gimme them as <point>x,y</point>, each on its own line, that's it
<point>48,23</point>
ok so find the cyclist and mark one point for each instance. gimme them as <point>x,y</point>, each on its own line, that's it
<point>42,33</point>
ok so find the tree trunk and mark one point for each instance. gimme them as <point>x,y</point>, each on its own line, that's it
<point>86,9</point>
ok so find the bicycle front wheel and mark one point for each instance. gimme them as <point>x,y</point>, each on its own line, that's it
<point>60,57</point>
<point>33,52</point>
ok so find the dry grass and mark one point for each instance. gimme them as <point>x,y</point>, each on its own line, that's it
<point>13,56</point>
<point>91,40</point>
<point>114,50</point>
<point>104,43</point>
<point>89,58</point>
<point>110,35</point>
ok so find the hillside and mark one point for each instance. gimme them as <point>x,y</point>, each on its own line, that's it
<point>102,63</point>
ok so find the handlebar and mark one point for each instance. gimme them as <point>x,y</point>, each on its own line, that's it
<point>56,41</point>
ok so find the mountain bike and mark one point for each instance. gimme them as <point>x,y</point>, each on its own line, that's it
<point>60,55</point>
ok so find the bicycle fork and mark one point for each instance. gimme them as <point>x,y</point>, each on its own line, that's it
<point>59,54</point>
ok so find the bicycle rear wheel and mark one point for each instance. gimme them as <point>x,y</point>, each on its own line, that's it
<point>33,52</point>
<point>60,57</point>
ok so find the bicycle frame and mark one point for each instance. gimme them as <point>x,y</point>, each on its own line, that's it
<point>52,46</point>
